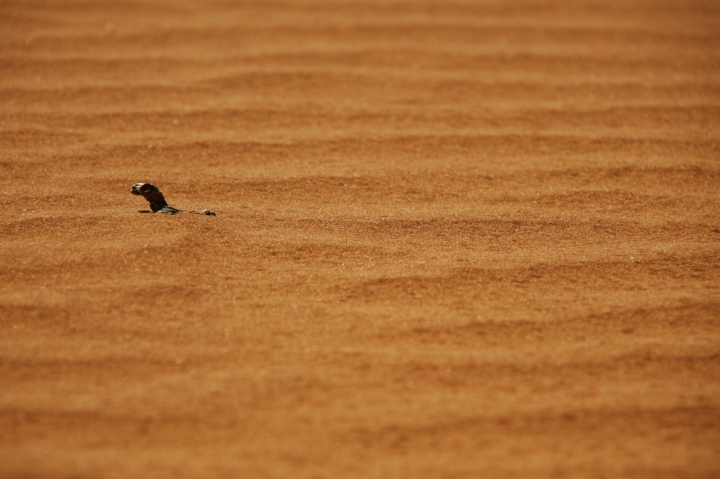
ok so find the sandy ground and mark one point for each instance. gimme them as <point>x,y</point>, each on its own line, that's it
<point>454,239</point>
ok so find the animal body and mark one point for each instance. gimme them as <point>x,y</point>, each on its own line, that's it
<point>157,201</point>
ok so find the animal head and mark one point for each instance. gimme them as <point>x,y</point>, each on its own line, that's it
<point>151,193</point>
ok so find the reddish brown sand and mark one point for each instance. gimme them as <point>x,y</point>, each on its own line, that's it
<point>467,239</point>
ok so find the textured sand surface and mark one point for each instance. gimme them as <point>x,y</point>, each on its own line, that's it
<point>454,239</point>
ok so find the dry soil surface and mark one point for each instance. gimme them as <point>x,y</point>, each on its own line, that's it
<point>453,239</point>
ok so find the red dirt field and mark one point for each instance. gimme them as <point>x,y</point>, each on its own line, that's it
<point>454,239</point>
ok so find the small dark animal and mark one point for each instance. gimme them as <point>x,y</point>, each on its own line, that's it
<point>157,201</point>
